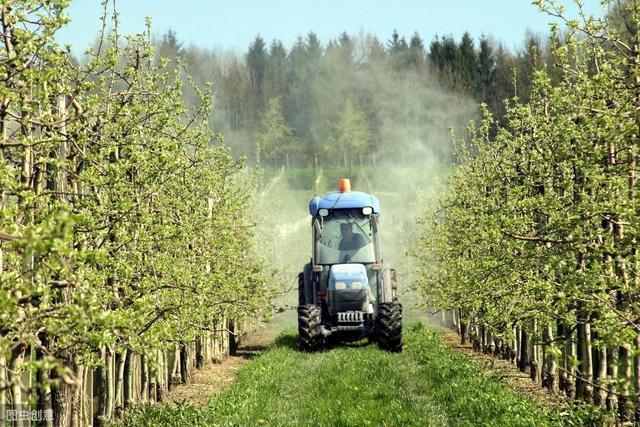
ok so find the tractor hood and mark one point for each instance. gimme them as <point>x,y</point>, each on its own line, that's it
<point>349,200</point>
<point>348,288</point>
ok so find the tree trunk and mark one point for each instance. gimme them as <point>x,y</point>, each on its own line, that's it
<point>101,388</point>
<point>491,343</point>
<point>78,395</point>
<point>513,348</point>
<point>233,343</point>
<point>600,394</point>
<point>579,356</point>
<point>636,378</point>
<point>157,379</point>
<point>107,379</point>
<point>44,395</point>
<point>3,359</point>
<point>4,383</point>
<point>612,371</point>
<point>176,376</point>
<point>586,366</point>
<point>119,386</point>
<point>550,370</point>
<point>15,377</point>
<point>200,351</point>
<point>624,402</point>
<point>473,335</point>
<point>456,323</point>
<point>568,356</point>
<point>523,360</point>
<point>144,386</point>
<point>128,375</point>
<point>534,360</point>
<point>63,396</point>
<point>185,368</point>
<point>562,377</point>
<point>87,396</point>
<point>464,328</point>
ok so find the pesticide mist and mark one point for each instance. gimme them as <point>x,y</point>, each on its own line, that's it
<point>351,108</point>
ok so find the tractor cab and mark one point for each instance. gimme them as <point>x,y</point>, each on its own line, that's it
<point>344,284</point>
<point>345,236</point>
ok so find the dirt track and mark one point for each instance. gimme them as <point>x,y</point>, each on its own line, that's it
<point>217,377</point>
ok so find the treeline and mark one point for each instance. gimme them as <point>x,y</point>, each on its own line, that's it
<point>357,99</point>
<point>349,101</point>
<point>124,247</point>
<point>535,247</point>
<point>490,72</point>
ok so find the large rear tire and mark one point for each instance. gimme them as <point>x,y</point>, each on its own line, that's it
<point>310,337</point>
<point>389,326</point>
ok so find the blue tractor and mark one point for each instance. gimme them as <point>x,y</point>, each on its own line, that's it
<point>344,292</point>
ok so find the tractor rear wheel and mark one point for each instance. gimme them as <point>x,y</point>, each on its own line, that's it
<point>389,326</point>
<point>309,330</point>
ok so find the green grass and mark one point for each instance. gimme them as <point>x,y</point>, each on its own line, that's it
<point>356,385</point>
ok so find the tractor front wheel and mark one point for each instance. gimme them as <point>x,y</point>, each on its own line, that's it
<point>389,326</point>
<point>309,330</point>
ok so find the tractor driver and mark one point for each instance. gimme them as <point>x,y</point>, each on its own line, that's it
<point>350,241</point>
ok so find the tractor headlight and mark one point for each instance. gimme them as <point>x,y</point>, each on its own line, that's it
<point>356,285</point>
<point>340,286</point>
<point>367,211</point>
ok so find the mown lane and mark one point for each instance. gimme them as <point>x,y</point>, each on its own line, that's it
<point>358,385</point>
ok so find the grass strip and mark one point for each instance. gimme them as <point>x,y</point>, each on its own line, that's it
<point>428,384</point>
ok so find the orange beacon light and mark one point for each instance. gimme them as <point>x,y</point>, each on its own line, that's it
<point>344,185</point>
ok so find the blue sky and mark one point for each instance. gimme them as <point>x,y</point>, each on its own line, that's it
<point>233,24</point>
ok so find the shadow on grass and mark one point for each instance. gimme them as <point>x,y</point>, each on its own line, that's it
<point>251,351</point>
<point>290,340</point>
<point>287,340</point>
<point>349,344</point>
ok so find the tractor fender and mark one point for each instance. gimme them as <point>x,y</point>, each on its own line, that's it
<point>306,285</point>
<point>389,288</point>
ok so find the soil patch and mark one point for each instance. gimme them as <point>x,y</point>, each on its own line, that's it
<point>214,378</point>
